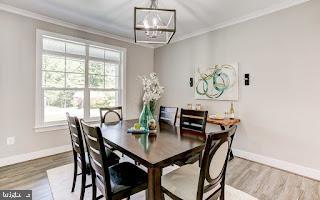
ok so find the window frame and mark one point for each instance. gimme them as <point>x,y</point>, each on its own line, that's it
<point>40,124</point>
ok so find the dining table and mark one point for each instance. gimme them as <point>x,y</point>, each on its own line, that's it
<point>155,151</point>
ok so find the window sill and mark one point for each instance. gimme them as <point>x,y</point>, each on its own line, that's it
<point>50,128</point>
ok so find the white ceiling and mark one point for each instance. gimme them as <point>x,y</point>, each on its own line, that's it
<point>116,16</point>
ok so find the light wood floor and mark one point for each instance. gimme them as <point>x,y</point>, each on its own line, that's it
<point>260,181</point>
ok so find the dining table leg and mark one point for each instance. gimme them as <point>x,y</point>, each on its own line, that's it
<point>154,184</point>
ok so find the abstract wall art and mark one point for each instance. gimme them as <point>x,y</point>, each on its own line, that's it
<point>217,82</point>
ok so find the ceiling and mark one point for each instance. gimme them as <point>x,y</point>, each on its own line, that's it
<point>116,16</point>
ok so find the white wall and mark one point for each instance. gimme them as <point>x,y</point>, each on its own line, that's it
<point>17,82</point>
<point>280,109</point>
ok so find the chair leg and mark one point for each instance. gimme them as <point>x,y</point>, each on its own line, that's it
<point>222,192</point>
<point>83,185</point>
<point>94,188</point>
<point>200,159</point>
<point>162,195</point>
<point>75,174</point>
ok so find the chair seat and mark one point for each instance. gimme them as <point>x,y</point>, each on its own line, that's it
<point>125,176</point>
<point>183,182</point>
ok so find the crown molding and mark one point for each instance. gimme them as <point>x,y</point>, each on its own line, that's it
<point>256,14</point>
<point>26,13</point>
<point>228,23</point>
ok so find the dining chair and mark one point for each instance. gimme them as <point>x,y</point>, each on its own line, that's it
<point>192,124</point>
<point>114,181</point>
<point>168,115</point>
<point>193,120</point>
<point>80,157</point>
<point>109,115</point>
<point>191,182</point>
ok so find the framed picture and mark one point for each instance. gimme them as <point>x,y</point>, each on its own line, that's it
<point>217,82</point>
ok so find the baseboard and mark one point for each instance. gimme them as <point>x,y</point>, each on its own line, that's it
<point>283,165</point>
<point>33,155</point>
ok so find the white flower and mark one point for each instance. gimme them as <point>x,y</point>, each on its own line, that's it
<point>151,87</point>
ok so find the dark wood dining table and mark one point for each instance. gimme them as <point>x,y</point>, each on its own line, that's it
<point>154,151</point>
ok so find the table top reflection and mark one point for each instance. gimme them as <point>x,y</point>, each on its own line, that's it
<point>159,149</point>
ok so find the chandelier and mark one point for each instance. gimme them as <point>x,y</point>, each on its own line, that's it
<point>153,25</point>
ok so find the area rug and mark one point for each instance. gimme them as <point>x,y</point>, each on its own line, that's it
<point>60,180</point>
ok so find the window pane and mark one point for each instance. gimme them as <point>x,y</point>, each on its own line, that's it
<point>53,63</point>
<point>112,69</point>
<point>75,80</point>
<point>96,81</point>
<point>57,103</point>
<point>96,52</point>
<point>53,79</point>
<point>77,49</point>
<point>112,55</point>
<point>96,67</point>
<point>99,99</point>
<point>111,82</point>
<point>53,45</point>
<point>75,65</point>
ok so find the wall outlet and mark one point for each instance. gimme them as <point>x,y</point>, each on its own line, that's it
<point>10,140</point>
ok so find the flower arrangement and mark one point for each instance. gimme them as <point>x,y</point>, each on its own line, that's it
<point>151,88</point>
<point>152,93</point>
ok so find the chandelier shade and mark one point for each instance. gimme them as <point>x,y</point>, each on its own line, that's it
<point>153,25</point>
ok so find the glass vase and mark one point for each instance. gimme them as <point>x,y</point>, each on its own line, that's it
<point>153,106</point>
<point>145,116</point>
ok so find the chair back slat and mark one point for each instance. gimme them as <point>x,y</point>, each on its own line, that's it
<point>168,115</point>
<point>111,115</point>
<point>193,120</point>
<point>94,150</point>
<point>97,157</point>
<point>193,127</point>
<point>215,159</point>
<point>76,137</point>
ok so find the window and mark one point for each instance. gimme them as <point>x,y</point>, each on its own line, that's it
<point>76,76</point>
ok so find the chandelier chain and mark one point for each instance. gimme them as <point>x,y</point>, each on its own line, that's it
<point>154,4</point>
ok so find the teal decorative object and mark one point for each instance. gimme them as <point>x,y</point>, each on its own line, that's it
<point>153,107</point>
<point>145,116</point>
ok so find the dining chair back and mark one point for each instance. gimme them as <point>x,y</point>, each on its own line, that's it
<point>214,163</point>
<point>168,115</point>
<point>126,178</point>
<point>111,114</point>
<point>190,182</point>
<point>194,120</point>
<point>97,158</point>
<point>79,154</point>
<point>192,125</point>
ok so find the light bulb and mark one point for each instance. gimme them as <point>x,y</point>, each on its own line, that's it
<point>145,23</point>
<point>155,21</point>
